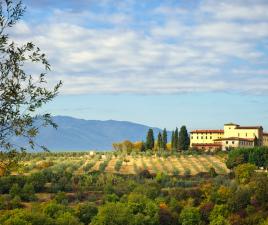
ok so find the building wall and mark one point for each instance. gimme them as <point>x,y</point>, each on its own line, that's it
<point>204,137</point>
<point>236,144</point>
<point>229,144</point>
<point>235,131</point>
<point>230,131</point>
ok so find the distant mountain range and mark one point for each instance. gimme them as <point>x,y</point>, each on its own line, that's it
<point>81,135</point>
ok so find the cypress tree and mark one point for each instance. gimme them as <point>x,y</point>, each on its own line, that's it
<point>184,140</point>
<point>159,141</point>
<point>172,141</point>
<point>176,139</point>
<point>143,147</point>
<point>150,139</point>
<point>164,139</point>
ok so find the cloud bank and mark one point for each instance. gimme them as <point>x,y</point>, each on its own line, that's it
<point>152,47</point>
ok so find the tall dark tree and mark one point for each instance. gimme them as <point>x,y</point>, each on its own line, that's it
<point>159,141</point>
<point>173,141</point>
<point>150,139</point>
<point>143,147</point>
<point>164,139</point>
<point>176,139</point>
<point>184,140</point>
<point>21,93</point>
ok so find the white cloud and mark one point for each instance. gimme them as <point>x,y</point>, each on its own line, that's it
<point>205,53</point>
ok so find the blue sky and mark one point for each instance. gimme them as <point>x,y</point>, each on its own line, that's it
<point>161,63</point>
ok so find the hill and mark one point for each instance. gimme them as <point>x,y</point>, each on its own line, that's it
<point>79,135</point>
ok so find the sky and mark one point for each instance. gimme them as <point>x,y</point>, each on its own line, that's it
<point>163,63</point>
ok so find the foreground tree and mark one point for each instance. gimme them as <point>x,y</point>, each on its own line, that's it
<point>21,93</point>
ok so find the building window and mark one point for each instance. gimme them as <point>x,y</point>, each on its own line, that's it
<point>197,137</point>
<point>246,134</point>
<point>238,135</point>
<point>192,137</point>
<point>210,137</point>
<point>232,142</point>
<point>201,137</point>
<point>226,142</point>
<point>206,137</point>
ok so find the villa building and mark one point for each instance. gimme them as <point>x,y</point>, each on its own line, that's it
<point>232,136</point>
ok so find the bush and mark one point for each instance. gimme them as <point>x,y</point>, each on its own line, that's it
<point>118,165</point>
<point>176,172</point>
<point>88,166</point>
<point>187,172</point>
<point>190,216</point>
<point>28,193</point>
<point>244,172</point>
<point>86,212</point>
<point>212,172</point>
<point>61,198</point>
<point>103,166</point>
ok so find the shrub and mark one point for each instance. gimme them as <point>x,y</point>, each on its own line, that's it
<point>176,172</point>
<point>244,172</point>
<point>88,166</point>
<point>103,166</point>
<point>212,172</point>
<point>187,172</point>
<point>190,216</point>
<point>61,198</point>
<point>28,193</point>
<point>118,165</point>
<point>86,212</point>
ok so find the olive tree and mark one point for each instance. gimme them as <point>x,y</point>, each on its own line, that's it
<point>22,93</point>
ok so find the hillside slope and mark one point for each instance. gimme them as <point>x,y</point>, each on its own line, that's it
<point>79,134</point>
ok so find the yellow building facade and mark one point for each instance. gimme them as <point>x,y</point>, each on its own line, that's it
<point>232,136</point>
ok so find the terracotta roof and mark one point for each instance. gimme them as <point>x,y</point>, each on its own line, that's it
<point>234,138</point>
<point>206,144</point>
<point>265,134</point>
<point>207,131</point>
<point>249,127</point>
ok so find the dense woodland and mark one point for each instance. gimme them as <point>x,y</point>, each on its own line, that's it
<point>96,197</point>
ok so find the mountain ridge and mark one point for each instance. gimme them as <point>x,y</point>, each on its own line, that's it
<point>76,134</point>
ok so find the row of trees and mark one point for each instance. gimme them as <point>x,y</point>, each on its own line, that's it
<point>179,140</point>
<point>257,156</point>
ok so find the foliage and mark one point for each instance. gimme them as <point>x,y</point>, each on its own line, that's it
<point>113,214</point>
<point>22,94</point>
<point>257,156</point>
<point>183,140</point>
<point>85,212</point>
<point>244,172</point>
<point>190,216</point>
<point>118,165</point>
<point>150,139</point>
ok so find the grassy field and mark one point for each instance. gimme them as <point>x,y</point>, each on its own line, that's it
<point>173,165</point>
